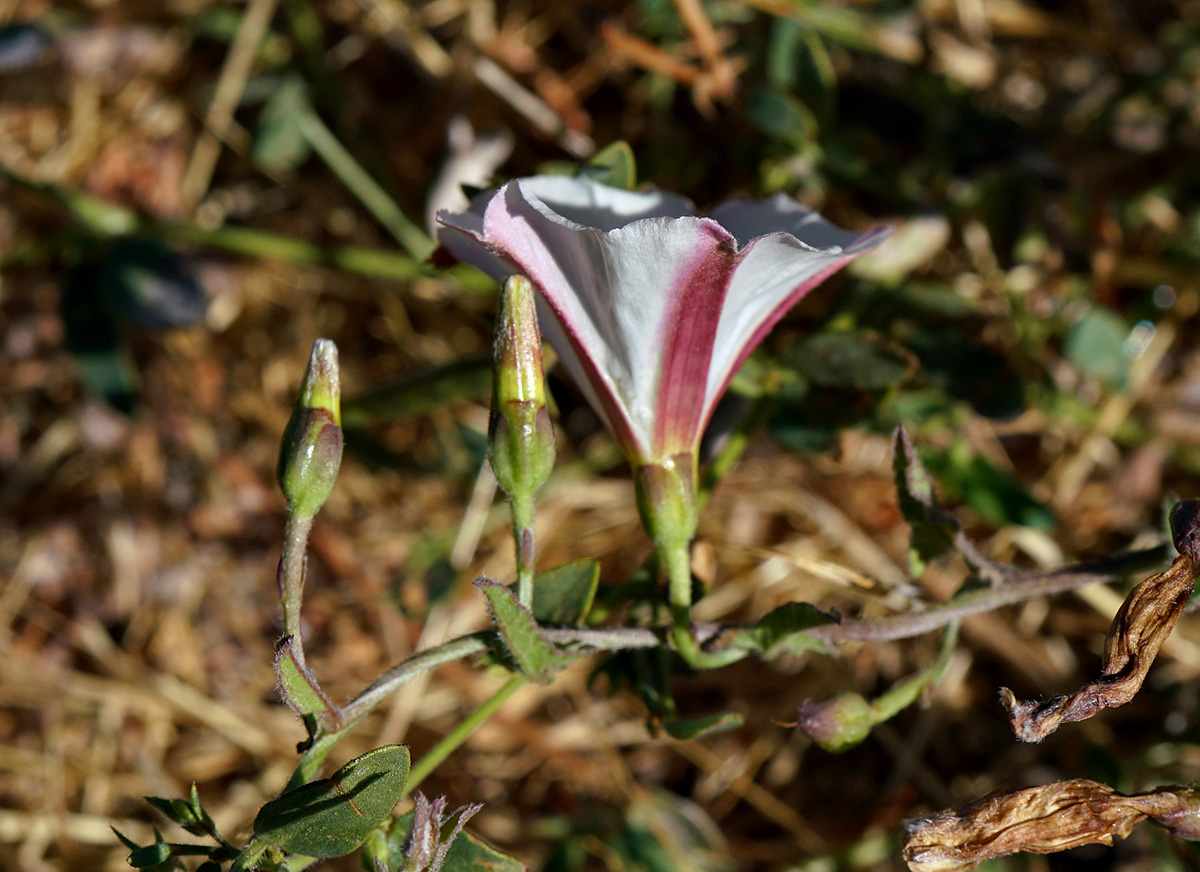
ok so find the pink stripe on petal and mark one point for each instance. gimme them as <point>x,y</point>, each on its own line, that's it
<point>689,330</point>
<point>591,382</point>
<point>554,256</point>
<point>864,244</point>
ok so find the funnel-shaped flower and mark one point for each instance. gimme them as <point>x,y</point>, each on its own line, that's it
<point>652,309</point>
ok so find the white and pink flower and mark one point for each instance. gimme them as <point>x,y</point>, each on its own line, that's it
<point>651,308</point>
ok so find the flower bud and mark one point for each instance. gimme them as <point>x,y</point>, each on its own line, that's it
<point>520,435</point>
<point>1185,528</point>
<point>666,499</point>
<point>838,723</point>
<point>311,450</point>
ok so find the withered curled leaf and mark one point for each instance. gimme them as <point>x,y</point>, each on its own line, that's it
<point>1137,633</point>
<point>1043,820</point>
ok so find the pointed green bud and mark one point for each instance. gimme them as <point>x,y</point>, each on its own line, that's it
<point>311,451</point>
<point>520,435</point>
<point>837,724</point>
<point>666,499</point>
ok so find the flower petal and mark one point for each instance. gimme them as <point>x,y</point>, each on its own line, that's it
<point>774,272</point>
<point>610,291</point>
<point>749,219</point>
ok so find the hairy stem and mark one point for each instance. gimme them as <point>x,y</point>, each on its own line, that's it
<point>461,733</point>
<point>379,690</point>
<point>679,586</point>
<point>1018,588</point>
<point>525,539</point>
<point>291,577</point>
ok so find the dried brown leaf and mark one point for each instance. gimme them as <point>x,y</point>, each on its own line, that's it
<point>1042,820</point>
<point>1138,631</point>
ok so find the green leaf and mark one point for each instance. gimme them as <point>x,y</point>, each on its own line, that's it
<point>420,392</point>
<point>564,595</point>
<point>1096,345</point>
<point>151,855</point>
<point>933,529</point>
<point>781,116</point>
<point>280,143</point>
<point>782,630</point>
<point>613,165</point>
<point>534,656</point>
<point>912,245</point>
<point>858,360</point>
<point>298,685</point>
<point>332,817</point>
<point>471,854</point>
<point>707,725</point>
<point>466,854</point>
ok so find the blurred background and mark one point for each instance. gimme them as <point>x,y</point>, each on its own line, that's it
<point>191,192</point>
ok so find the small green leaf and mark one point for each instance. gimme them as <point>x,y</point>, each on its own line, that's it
<point>202,816</point>
<point>781,116</point>
<point>933,529</point>
<point>534,656</point>
<point>332,817</point>
<point>857,360</point>
<point>1096,345</point>
<point>151,855</point>
<point>782,630</point>
<point>471,854</point>
<point>420,392</point>
<point>912,245</point>
<point>707,725</point>
<point>613,165</point>
<point>564,595</point>
<point>280,143</point>
<point>298,686</point>
<point>176,810</point>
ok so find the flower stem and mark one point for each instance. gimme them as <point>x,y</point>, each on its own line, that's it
<point>525,539</point>
<point>379,690</point>
<point>679,586</point>
<point>360,183</point>
<point>461,733</point>
<point>291,577</point>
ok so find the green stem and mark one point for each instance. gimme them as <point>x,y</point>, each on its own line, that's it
<point>379,690</point>
<point>906,692</point>
<point>291,577</point>
<point>359,182</point>
<point>249,242</point>
<point>451,741</point>
<point>408,669</point>
<point>107,219</point>
<point>679,586</point>
<point>1019,588</point>
<point>525,539</point>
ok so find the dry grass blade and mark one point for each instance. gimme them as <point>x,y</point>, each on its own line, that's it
<point>1041,820</point>
<point>1137,633</point>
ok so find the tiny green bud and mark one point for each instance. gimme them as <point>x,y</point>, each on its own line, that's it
<point>520,435</point>
<point>838,723</point>
<point>311,451</point>
<point>666,499</point>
